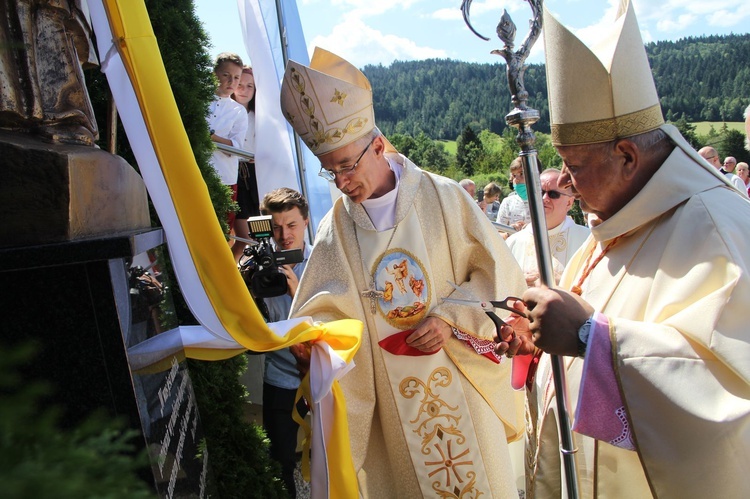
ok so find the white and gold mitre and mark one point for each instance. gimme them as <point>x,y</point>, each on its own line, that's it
<point>603,93</point>
<point>329,104</point>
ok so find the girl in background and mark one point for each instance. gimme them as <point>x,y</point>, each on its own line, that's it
<point>247,185</point>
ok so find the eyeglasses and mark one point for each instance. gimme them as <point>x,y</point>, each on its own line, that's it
<point>554,194</point>
<point>348,171</point>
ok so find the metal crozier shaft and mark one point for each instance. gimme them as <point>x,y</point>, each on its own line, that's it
<point>522,117</point>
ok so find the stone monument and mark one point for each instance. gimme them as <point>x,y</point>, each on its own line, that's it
<point>55,184</point>
<point>79,261</point>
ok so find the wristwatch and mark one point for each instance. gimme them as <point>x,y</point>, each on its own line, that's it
<point>583,336</point>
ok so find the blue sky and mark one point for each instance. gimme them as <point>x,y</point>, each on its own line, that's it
<point>381,31</point>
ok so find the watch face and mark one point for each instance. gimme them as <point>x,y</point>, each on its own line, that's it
<point>583,337</point>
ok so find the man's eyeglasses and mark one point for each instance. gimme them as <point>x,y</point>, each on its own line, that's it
<point>348,171</point>
<point>554,194</point>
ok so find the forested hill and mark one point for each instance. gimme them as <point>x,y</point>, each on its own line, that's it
<point>706,78</point>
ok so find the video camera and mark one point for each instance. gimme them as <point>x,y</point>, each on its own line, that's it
<point>260,265</point>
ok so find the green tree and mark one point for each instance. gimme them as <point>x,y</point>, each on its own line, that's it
<point>238,449</point>
<point>469,151</point>
<point>436,158</point>
<point>404,143</point>
<point>430,154</point>
<point>688,131</point>
<point>733,144</point>
<point>40,458</point>
<point>546,152</point>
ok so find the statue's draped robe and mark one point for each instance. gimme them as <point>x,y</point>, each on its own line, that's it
<point>675,289</point>
<point>46,46</point>
<point>420,425</point>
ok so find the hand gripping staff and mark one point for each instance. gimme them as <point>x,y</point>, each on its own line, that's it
<point>522,117</point>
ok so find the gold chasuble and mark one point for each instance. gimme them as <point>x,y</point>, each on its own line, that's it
<point>675,288</point>
<point>420,425</point>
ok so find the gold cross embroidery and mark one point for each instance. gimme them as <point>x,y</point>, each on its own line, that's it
<point>338,97</point>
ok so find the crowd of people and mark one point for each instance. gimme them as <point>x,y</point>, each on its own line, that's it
<point>645,307</point>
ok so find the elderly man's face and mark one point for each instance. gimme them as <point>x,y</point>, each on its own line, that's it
<point>729,164</point>
<point>594,176</point>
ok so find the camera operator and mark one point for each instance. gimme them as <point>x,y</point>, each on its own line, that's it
<point>289,218</point>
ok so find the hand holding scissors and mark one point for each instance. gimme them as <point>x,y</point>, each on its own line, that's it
<point>508,343</point>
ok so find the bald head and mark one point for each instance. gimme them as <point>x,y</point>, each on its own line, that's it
<point>709,154</point>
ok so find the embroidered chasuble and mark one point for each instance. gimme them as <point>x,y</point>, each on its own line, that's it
<point>428,425</point>
<point>674,288</point>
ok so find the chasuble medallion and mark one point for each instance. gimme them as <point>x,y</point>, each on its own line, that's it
<point>406,289</point>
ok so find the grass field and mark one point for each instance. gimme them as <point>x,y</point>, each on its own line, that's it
<point>450,146</point>
<point>703,127</point>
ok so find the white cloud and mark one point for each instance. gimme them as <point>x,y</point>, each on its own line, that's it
<point>366,8</point>
<point>676,16</point>
<point>489,9</point>
<point>360,44</point>
<point>446,14</point>
<point>671,25</point>
<point>595,32</point>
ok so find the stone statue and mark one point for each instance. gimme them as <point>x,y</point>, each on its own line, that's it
<point>54,186</point>
<point>44,46</point>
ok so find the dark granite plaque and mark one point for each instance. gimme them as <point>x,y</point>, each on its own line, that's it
<point>163,390</point>
<point>84,303</point>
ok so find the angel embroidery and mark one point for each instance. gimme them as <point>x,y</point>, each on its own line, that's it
<point>416,285</point>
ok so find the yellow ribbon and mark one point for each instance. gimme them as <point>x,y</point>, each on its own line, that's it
<point>340,336</point>
<point>211,257</point>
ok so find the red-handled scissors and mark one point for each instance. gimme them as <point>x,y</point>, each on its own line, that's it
<point>488,306</point>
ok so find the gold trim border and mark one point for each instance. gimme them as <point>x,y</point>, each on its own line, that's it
<point>592,132</point>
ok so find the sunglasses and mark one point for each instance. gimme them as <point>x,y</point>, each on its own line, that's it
<point>554,194</point>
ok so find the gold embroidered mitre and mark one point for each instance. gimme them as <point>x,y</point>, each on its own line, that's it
<point>329,103</point>
<point>603,93</point>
